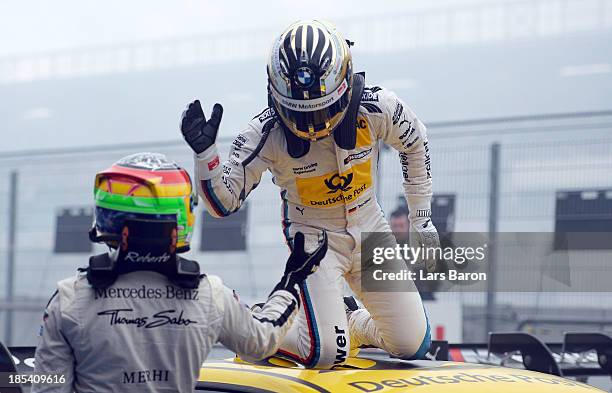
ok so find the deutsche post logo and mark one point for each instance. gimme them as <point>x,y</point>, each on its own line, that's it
<point>335,188</point>
<point>339,183</point>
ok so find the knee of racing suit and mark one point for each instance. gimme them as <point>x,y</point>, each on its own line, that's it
<point>412,346</point>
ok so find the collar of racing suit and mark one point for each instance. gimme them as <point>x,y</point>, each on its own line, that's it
<point>345,134</point>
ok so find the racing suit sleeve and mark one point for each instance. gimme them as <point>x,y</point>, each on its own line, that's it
<point>403,131</point>
<point>223,188</point>
<point>53,354</point>
<point>253,335</point>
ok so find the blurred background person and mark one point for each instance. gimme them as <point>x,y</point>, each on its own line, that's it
<point>400,224</point>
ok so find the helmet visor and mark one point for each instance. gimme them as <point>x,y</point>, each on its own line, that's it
<point>313,124</point>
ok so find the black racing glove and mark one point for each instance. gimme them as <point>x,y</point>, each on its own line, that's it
<point>301,264</point>
<point>199,133</point>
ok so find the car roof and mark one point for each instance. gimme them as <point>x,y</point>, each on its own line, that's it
<point>372,372</point>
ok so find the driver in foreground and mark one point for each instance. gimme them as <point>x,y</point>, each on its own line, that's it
<point>141,318</point>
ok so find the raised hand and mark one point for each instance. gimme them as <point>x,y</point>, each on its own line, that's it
<point>199,133</point>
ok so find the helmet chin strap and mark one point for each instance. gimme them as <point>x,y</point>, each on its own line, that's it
<point>345,134</point>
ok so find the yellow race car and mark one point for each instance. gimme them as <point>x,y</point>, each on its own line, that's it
<point>371,374</point>
<point>530,365</point>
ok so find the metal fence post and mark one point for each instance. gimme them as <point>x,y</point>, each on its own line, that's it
<point>493,216</point>
<point>10,267</point>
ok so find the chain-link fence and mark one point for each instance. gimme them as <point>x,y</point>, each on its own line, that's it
<point>538,156</point>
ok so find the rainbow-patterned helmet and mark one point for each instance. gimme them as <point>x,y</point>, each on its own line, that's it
<point>145,186</point>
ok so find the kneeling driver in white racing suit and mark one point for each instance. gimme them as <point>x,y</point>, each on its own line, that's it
<point>141,318</point>
<point>319,138</point>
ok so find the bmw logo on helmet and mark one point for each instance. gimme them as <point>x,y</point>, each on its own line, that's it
<point>304,76</point>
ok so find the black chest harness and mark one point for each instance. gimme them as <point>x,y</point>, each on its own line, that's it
<point>145,245</point>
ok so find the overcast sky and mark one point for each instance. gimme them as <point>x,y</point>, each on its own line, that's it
<point>33,26</point>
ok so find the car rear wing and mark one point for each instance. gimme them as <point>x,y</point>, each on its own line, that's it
<point>580,355</point>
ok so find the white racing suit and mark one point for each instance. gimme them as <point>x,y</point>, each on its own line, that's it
<point>334,189</point>
<point>143,334</point>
